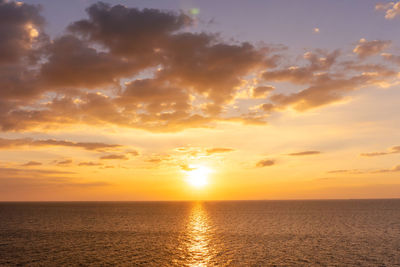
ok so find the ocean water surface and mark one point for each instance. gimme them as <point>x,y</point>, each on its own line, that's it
<point>234,233</point>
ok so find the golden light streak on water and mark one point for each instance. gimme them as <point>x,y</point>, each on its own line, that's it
<point>199,233</point>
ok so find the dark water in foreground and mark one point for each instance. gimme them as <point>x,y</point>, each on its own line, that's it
<point>254,233</point>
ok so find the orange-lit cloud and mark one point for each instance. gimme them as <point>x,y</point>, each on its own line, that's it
<point>15,143</point>
<point>32,163</point>
<point>366,48</point>
<point>326,84</point>
<point>262,91</point>
<point>132,95</point>
<point>192,79</point>
<point>395,168</point>
<point>392,9</point>
<point>218,150</point>
<point>114,156</point>
<point>391,58</point>
<point>392,150</point>
<point>22,172</point>
<point>89,163</point>
<point>63,162</point>
<point>305,153</point>
<point>265,163</point>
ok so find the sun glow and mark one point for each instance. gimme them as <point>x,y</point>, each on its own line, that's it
<point>197,176</point>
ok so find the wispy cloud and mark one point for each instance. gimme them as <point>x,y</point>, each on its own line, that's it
<point>392,150</point>
<point>63,162</point>
<point>265,163</point>
<point>22,172</point>
<point>115,156</point>
<point>367,171</point>
<point>15,143</point>
<point>215,150</point>
<point>89,163</point>
<point>31,163</point>
<point>350,171</point>
<point>305,153</point>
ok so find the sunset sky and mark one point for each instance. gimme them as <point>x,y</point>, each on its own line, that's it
<point>213,100</point>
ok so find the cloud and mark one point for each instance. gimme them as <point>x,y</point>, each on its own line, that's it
<point>73,63</point>
<point>185,167</point>
<point>31,163</point>
<point>89,163</point>
<point>218,150</point>
<point>115,156</point>
<point>392,9</point>
<point>305,153</point>
<point>158,158</point>
<point>392,150</point>
<point>15,143</point>
<point>33,173</point>
<point>199,61</point>
<point>63,162</point>
<point>133,153</point>
<point>262,91</point>
<point>323,90</point>
<point>84,185</point>
<point>318,61</point>
<point>352,171</point>
<point>394,169</point>
<point>182,66</point>
<point>129,31</point>
<point>366,48</point>
<point>326,81</point>
<point>373,171</point>
<point>41,186</point>
<point>391,58</point>
<point>265,163</point>
<point>92,73</point>
<point>20,27</point>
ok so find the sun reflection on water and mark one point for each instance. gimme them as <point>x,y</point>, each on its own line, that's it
<point>199,231</point>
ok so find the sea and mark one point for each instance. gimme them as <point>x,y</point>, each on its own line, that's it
<point>221,233</point>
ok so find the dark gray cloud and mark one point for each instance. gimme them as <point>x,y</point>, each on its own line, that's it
<point>73,63</point>
<point>20,27</point>
<point>129,31</point>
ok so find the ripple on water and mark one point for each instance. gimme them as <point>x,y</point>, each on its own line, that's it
<point>248,233</point>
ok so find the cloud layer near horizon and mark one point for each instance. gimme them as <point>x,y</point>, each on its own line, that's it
<point>146,69</point>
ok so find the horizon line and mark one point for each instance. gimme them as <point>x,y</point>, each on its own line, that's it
<point>223,200</point>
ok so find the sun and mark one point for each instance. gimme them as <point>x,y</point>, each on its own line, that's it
<point>197,176</point>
